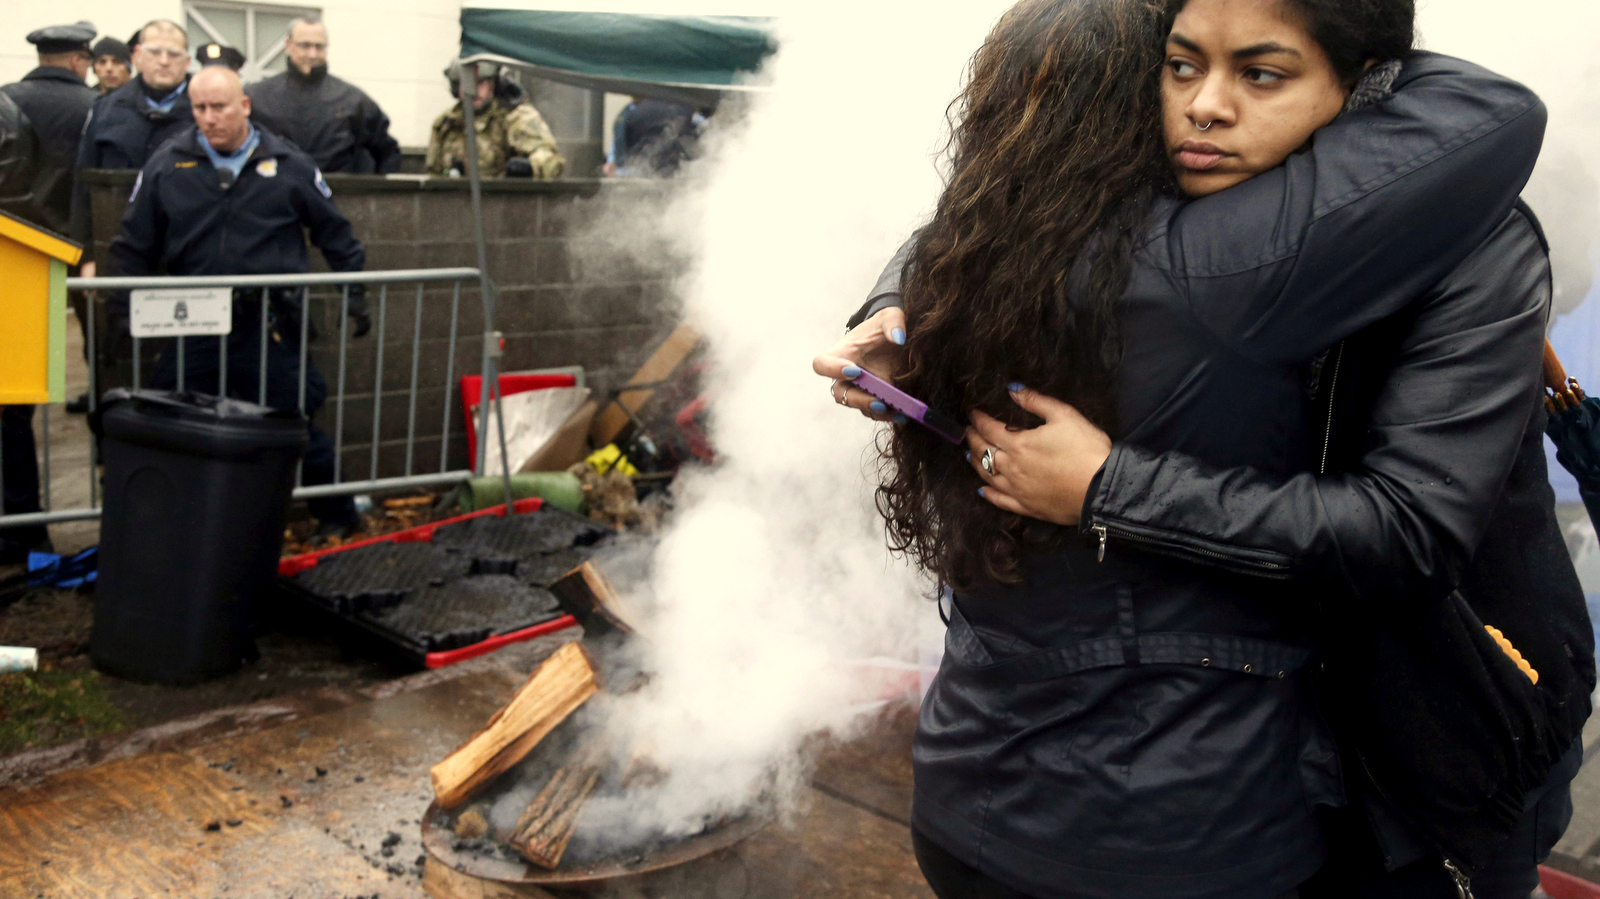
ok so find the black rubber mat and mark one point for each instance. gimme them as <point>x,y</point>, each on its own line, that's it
<point>381,575</point>
<point>466,611</point>
<point>522,536</point>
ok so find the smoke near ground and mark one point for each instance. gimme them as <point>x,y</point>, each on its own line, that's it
<point>772,591</point>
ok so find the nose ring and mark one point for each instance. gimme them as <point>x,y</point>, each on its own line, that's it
<point>1206,126</point>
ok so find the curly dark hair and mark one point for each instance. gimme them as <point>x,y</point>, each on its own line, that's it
<point>1056,157</point>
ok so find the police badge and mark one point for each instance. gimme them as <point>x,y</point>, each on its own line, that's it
<point>267,168</point>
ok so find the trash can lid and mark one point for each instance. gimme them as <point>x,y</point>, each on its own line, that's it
<point>198,423</point>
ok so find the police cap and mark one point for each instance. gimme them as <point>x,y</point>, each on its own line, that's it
<point>215,54</point>
<point>110,46</point>
<point>63,38</point>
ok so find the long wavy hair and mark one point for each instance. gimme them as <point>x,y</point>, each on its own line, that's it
<point>1056,157</point>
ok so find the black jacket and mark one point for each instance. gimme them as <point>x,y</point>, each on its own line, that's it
<point>16,160</point>
<point>123,130</point>
<point>1429,514</point>
<point>57,103</point>
<point>332,120</point>
<point>1139,726</point>
<point>180,219</point>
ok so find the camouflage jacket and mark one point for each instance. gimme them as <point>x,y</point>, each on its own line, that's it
<point>502,133</point>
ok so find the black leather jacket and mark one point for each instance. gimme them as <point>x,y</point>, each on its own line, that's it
<point>335,122</point>
<point>1429,513</point>
<point>57,102</point>
<point>16,161</point>
<point>1139,726</point>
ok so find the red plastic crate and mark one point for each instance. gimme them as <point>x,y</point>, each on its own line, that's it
<point>1561,885</point>
<point>290,566</point>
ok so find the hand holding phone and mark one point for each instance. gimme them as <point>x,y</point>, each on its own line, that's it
<point>911,407</point>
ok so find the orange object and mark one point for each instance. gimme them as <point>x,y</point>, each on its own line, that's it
<point>1511,651</point>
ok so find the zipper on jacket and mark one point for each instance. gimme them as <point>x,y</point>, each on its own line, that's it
<point>1333,385</point>
<point>1171,548</point>
<point>1463,882</point>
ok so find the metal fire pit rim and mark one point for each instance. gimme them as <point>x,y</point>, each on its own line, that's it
<point>437,841</point>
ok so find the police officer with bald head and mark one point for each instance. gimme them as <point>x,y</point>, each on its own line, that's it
<point>227,197</point>
<point>56,100</point>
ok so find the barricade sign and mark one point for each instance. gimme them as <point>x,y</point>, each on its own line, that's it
<point>181,313</point>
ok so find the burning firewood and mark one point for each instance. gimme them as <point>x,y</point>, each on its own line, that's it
<point>585,594</point>
<point>546,826</point>
<point>557,687</point>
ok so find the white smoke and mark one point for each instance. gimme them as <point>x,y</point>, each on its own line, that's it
<point>773,585</point>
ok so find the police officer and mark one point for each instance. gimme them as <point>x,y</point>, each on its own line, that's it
<point>128,124</point>
<point>513,139</point>
<point>19,466</point>
<point>113,64</point>
<point>215,54</point>
<point>228,197</point>
<point>333,120</point>
<point>56,100</point>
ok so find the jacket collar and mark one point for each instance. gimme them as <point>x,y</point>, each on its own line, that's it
<point>132,96</point>
<point>188,144</point>
<point>54,73</point>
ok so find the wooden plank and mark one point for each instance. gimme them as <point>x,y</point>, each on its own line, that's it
<point>661,364</point>
<point>555,690</point>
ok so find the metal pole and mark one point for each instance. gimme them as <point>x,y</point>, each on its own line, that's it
<point>338,401</point>
<point>44,430</point>
<point>222,354</point>
<point>182,368</point>
<point>94,401</point>
<point>261,385</point>
<point>136,363</point>
<point>305,340</point>
<point>449,377</point>
<point>377,378</point>
<point>490,366</point>
<point>416,349</point>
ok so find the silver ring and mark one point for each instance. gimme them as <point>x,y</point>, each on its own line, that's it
<point>1206,126</point>
<point>987,461</point>
<point>839,396</point>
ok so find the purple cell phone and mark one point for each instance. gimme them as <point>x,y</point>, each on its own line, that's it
<point>911,407</point>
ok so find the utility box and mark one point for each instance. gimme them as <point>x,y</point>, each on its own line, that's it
<point>33,308</point>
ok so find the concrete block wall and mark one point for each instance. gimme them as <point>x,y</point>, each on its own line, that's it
<point>565,300</point>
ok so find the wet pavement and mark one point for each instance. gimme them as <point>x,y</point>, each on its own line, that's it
<point>321,795</point>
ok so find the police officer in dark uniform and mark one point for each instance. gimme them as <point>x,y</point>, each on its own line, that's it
<point>227,197</point>
<point>19,467</point>
<point>215,54</point>
<point>56,100</point>
<point>128,124</point>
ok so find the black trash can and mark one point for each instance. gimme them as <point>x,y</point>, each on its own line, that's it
<point>195,492</point>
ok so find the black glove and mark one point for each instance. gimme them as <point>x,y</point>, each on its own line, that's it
<point>519,167</point>
<point>358,310</point>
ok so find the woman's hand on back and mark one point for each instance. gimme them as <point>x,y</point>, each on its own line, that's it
<point>877,345</point>
<point>1044,472</point>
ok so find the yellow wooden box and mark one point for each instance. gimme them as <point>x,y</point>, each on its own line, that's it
<point>33,312</point>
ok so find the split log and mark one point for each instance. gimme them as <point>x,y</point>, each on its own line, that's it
<point>546,826</point>
<point>585,594</point>
<point>557,687</point>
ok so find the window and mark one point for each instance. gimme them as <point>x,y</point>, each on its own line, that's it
<point>254,29</point>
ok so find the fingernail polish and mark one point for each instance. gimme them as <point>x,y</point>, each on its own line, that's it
<point>852,371</point>
<point>899,419</point>
<point>878,407</point>
<point>980,491</point>
<point>969,455</point>
<point>1016,387</point>
<point>898,335</point>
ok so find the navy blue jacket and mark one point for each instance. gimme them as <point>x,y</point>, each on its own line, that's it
<point>121,133</point>
<point>181,220</point>
<point>1141,728</point>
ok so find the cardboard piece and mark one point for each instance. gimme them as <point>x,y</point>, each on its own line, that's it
<point>660,366</point>
<point>568,446</point>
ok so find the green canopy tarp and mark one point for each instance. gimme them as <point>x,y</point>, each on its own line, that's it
<point>688,56</point>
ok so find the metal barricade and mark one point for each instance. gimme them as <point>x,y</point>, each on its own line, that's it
<point>377,296</point>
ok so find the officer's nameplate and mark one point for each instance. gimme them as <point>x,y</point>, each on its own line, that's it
<point>180,313</point>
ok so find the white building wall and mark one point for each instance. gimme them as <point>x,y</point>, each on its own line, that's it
<point>396,50</point>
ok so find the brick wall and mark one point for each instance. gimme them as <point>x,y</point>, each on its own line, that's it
<point>565,299</point>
